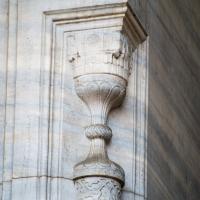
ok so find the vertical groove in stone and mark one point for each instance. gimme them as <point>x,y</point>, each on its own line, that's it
<point>9,122</point>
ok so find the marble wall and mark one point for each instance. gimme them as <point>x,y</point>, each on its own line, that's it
<point>174,96</point>
<point>41,117</point>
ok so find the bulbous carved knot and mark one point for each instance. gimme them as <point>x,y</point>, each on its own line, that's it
<point>98,131</point>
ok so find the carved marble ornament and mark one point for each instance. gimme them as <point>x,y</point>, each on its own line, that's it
<point>101,60</point>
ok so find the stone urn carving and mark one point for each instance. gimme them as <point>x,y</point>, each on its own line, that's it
<point>97,177</point>
<point>101,87</point>
<point>101,60</point>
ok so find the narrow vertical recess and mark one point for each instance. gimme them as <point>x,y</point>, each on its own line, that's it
<point>10,98</point>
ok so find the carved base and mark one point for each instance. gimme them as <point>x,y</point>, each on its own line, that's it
<point>95,167</point>
<point>98,188</point>
<point>98,175</point>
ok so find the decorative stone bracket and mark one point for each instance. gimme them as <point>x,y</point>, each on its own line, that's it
<point>101,57</point>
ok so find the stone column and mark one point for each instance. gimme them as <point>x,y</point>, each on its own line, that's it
<point>101,60</point>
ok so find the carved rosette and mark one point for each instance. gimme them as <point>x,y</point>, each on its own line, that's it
<point>100,188</point>
<point>101,60</point>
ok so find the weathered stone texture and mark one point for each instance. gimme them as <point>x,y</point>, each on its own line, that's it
<point>174,96</point>
<point>42,118</point>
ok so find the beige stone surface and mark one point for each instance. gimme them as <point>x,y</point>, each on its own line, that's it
<point>173,122</point>
<point>41,116</point>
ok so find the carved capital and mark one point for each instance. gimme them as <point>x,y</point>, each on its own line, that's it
<point>102,58</point>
